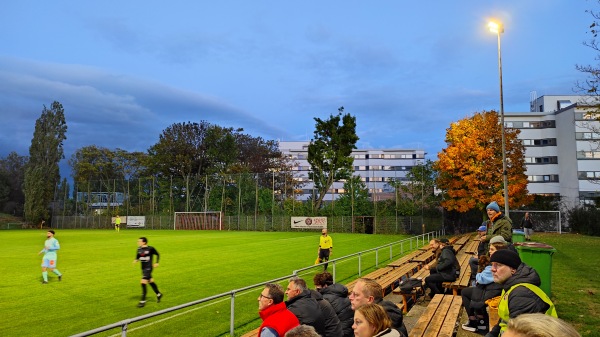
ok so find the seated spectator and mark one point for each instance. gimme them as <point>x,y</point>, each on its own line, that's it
<point>521,293</point>
<point>473,298</point>
<point>371,320</point>
<point>277,319</point>
<point>333,328</point>
<point>302,331</point>
<point>539,325</point>
<point>444,270</point>
<point>300,302</point>
<point>337,295</point>
<point>481,249</point>
<point>500,240</point>
<point>368,291</point>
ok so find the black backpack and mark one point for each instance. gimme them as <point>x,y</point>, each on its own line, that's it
<point>410,284</point>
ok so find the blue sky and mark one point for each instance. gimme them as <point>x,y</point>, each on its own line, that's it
<point>126,70</point>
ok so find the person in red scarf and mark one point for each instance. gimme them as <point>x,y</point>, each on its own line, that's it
<point>277,319</point>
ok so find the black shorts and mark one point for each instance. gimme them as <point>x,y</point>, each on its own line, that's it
<point>324,254</point>
<point>147,274</point>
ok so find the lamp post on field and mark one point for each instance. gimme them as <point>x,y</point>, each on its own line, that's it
<point>498,29</point>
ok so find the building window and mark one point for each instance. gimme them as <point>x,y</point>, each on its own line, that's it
<point>588,175</point>
<point>540,142</point>
<point>548,178</point>
<point>588,155</point>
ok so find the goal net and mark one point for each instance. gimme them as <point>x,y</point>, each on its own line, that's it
<point>198,220</point>
<point>543,221</point>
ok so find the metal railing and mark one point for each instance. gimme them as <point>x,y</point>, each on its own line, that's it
<point>418,241</point>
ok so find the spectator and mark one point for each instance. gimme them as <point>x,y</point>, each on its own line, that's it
<point>337,295</point>
<point>444,270</point>
<point>498,241</point>
<point>481,249</point>
<point>539,325</point>
<point>473,298</point>
<point>368,291</point>
<point>521,293</point>
<point>527,225</point>
<point>333,328</point>
<point>370,320</point>
<point>302,331</point>
<point>300,302</point>
<point>277,319</point>
<point>499,224</point>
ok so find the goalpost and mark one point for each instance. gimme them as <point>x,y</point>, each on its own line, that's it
<point>543,221</point>
<point>198,221</point>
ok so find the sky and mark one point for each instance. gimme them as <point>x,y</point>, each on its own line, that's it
<point>126,70</point>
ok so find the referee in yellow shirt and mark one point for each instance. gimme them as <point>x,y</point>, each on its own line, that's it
<point>325,247</point>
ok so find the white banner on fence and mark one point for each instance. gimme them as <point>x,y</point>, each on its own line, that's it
<point>315,222</point>
<point>136,221</point>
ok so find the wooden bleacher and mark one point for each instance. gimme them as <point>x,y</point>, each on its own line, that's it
<point>439,318</point>
<point>253,333</point>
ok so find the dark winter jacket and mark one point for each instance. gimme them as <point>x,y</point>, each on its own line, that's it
<point>307,310</point>
<point>521,300</point>
<point>337,295</point>
<point>446,264</point>
<point>333,328</point>
<point>395,315</point>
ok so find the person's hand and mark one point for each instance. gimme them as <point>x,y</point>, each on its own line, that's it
<point>426,267</point>
<point>155,265</point>
<point>135,261</point>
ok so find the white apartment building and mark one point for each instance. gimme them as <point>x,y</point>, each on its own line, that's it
<point>561,147</point>
<point>375,167</point>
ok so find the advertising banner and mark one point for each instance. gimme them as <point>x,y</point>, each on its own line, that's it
<point>311,222</point>
<point>136,221</point>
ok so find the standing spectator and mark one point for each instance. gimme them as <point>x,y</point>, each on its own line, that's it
<point>521,293</point>
<point>337,295</point>
<point>277,319</point>
<point>145,255</point>
<point>51,245</point>
<point>527,225</point>
<point>445,269</point>
<point>370,320</point>
<point>325,247</point>
<point>300,303</point>
<point>499,224</point>
<point>539,325</point>
<point>117,223</point>
<point>368,291</point>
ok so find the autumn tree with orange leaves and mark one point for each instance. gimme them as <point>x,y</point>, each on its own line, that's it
<point>470,167</point>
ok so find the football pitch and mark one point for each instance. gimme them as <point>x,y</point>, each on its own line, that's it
<point>101,285</point>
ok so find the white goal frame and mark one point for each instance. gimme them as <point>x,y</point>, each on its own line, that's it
<point>516,221</point>
<point>212,220</point>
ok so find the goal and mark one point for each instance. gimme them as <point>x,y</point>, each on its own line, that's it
<point>198,220</point>
<point>543,221</point>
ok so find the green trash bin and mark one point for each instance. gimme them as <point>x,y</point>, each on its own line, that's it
<point>518,236</point>
<point>538,256</point>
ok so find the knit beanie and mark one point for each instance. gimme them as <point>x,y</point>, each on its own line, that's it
<point>498,239</point>
<point>493,205</point>
<point>507,258</point>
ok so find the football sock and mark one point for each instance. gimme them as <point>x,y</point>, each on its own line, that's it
<point>45,276</point>
<point>57,272</point>
<point>144,291</point>
<point>154,287</point>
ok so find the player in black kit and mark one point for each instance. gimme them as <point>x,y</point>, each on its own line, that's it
<point>144,255</point>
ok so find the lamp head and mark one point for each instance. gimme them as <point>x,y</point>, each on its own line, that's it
<point>496,27</point>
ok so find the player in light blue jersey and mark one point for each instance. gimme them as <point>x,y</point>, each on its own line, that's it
<point>49,260</point>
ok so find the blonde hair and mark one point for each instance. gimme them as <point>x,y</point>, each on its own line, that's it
<point>541,325</point>
<point>376,316</point>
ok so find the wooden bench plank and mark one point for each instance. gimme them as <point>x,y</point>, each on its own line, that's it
<point>405,259</point>
<point>439,318</point>
<point>253,333</point>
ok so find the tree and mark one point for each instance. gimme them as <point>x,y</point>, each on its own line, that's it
<point>329,152</point>
<point>355,198</point>
<point>42,173</point>
<point>13,168</point>
<point>470,167</point>
<point>416,192</point>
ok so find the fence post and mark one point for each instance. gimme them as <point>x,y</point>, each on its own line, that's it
<point>232,315</point>
<point>124,330</point>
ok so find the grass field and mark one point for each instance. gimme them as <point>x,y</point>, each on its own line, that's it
<point>101,285</point>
